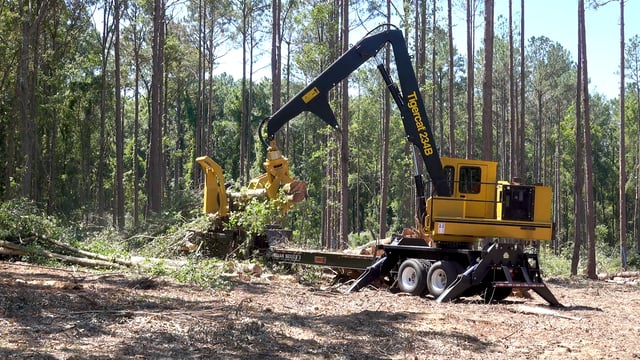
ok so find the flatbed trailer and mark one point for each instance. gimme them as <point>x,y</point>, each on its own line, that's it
<point>446,273</point>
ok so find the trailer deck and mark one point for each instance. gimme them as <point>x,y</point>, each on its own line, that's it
<point>320,258</point>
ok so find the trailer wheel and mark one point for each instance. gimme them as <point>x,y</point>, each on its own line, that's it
<point>441,275</point>
<point>412,277</point>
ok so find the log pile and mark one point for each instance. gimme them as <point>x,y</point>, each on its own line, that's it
<point>623,278</point>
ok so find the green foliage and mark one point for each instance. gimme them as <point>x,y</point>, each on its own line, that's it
<point>553,264</point>
<point>21,218</point>
<point>107,242</point>
<point>633,260</point>
<point>202,272</point>
<point>161,240</point>
<point>359,239</point>
<point>256,216</point>
<point>607,257</point>
<point>311,275</point>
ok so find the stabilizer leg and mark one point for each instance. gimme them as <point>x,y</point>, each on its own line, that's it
<point>546,294</point>
<point>373,272</point>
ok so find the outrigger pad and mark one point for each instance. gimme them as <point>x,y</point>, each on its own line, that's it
<point>370,274</point>
<point>546,294</point>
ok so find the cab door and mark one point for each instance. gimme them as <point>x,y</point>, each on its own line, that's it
<point>474,184</point>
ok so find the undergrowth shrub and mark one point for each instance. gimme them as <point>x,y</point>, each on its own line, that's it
<point>607,260</point>
<point>22,218</point>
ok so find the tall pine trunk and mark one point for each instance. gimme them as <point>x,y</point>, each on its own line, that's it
<point>344,137</point>
<point>384,154</point>
<point>521,128</point>
<point>578,190</point>
<point>470,76</point>
<point>437,130</point>
<point>487,83</point>
<point>106,45</point>
<point>244,172</point>
<point>276,56</point>
<point>622,202</point>
<point>119,182</point>
<point>136,124</point>
<point>452,83</point>
<point>512,100</point>
<point>155,150</point>
<point>590,201</point>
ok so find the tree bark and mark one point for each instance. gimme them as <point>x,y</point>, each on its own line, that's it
<point>384,154</point>
<point>243,113</point>
<point>119,126</point>
<point>199,127</point>
<point>344,138</point>
<point>622,202</point>
<point>452,83</point>
<point>578,190</point>
<point>276,56</point>
<point>590,201</point>
<point>521,129</point>
<point>31,15</point>
<point>106,46</point>
<point>470,76</point>
<point>155,152</point>
<point>512,100</point>
<point>136,123</point>
<point>437,130</point>
<point>487,83</point>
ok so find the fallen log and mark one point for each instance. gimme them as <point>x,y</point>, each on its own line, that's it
<point>628,274</point>
<point>11,252</point>
<point>89,254</point>
<point>48,254</point>
<point>543,311</point>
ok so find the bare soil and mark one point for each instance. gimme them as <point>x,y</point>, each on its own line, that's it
<point>48,313</point>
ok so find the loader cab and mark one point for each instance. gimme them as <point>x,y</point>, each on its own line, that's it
<point>462,217</point>
<point>474,181</point>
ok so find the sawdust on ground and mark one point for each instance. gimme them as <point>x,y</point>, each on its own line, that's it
<point>48,313</point>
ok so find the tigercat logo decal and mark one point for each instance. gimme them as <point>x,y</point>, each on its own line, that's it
<point>417,119</point>
<point>310,95</point>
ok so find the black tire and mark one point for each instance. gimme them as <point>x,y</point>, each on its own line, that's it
<point>412,277</point>
<point>441,275</point>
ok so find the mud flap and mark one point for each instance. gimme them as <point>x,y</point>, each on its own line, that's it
<point>373,272</point>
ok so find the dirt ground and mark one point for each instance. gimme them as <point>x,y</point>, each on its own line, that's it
<point>48,313</point>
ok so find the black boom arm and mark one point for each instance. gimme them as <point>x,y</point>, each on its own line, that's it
<point>314,98</point>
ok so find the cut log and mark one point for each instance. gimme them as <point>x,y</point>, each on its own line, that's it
<point>89,254</point>
<point>51,255</point>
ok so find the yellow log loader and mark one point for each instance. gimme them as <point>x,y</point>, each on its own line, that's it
<point>477,235</point>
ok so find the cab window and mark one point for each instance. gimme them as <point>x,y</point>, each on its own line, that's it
<point>470,180</point>
<point>450,173</point>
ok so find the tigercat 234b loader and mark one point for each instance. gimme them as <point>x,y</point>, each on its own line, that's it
<point>477,235</point>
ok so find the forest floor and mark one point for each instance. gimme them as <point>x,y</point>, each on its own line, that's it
<point>51,313</point>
